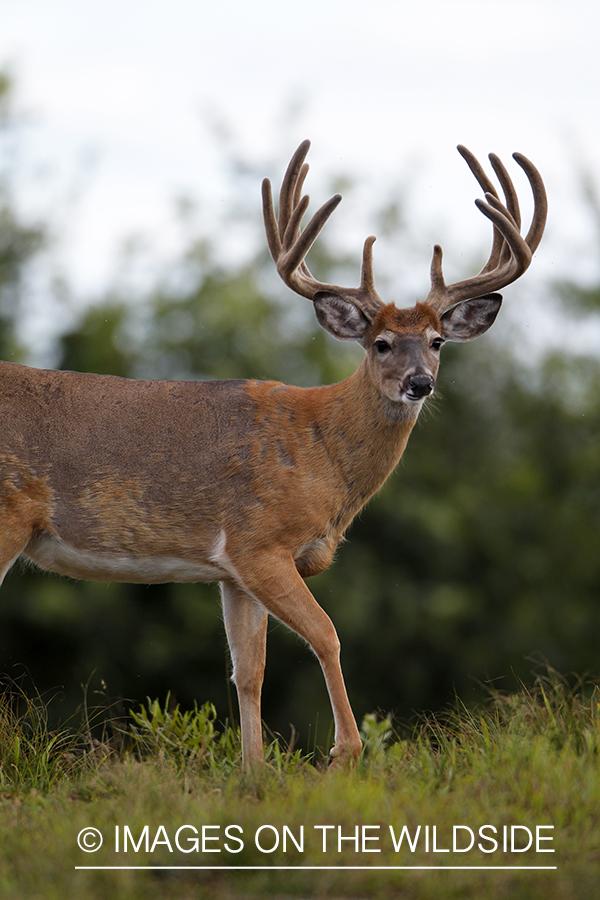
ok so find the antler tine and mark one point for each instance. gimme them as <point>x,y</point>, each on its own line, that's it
<point>300,182</point>
<point>367,281</point>
<point>540,211</point>
<point>510,194</point>
<point>270,220</point>
<point>289,244</point>
<point>291,180</point>
<point>499,215</point>
<point>488,188</point>
<point>303,241</point>
<point>292,230</point>
<point>511,204</point>
<point>511,253</point>
<point>477,170</point>
<point>500,249</point>
<point>505,271</point>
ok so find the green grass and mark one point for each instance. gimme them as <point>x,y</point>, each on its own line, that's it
<point>527,759</point>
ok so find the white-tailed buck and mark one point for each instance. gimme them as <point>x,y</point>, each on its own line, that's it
<point>248,483</point>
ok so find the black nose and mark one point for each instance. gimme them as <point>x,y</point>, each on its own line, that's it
<point>420,385</point>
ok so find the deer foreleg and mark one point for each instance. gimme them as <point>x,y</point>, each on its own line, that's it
<point>275,582</point>
<point>246,629</point>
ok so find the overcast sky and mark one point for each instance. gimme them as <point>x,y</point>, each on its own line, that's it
<point>388,87</point>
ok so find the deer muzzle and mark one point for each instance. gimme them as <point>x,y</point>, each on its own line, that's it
<point>418,386</point>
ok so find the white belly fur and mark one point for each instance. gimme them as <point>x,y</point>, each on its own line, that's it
<point>52,553</point>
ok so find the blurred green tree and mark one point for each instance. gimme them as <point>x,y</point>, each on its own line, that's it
<point>20,241</point>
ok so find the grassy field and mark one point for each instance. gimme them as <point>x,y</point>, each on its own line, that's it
<point>524,770</point>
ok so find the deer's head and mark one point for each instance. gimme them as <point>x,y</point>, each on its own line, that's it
<point>403,345</point>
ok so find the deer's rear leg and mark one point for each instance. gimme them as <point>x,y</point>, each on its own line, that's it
<point>25,507</point>
<point>246,628</point>
<point>15,535</point>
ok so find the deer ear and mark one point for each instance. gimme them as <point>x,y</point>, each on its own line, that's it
<point>471,318</point>
<point>339,317</point>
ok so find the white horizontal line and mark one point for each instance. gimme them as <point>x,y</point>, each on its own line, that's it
<point>328,868</point>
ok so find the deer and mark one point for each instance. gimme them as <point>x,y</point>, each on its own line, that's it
<point>248,483</point>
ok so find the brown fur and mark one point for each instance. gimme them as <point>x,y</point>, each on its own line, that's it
<point>414,319</point>
<point>251,483</point>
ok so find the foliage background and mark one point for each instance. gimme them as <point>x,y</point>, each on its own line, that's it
<point>479,555</point>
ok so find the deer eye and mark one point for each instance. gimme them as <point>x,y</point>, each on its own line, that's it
<point>382,346</point>
<point>436,343</point>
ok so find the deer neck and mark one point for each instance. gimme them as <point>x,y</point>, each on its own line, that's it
<point>364,432</point>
